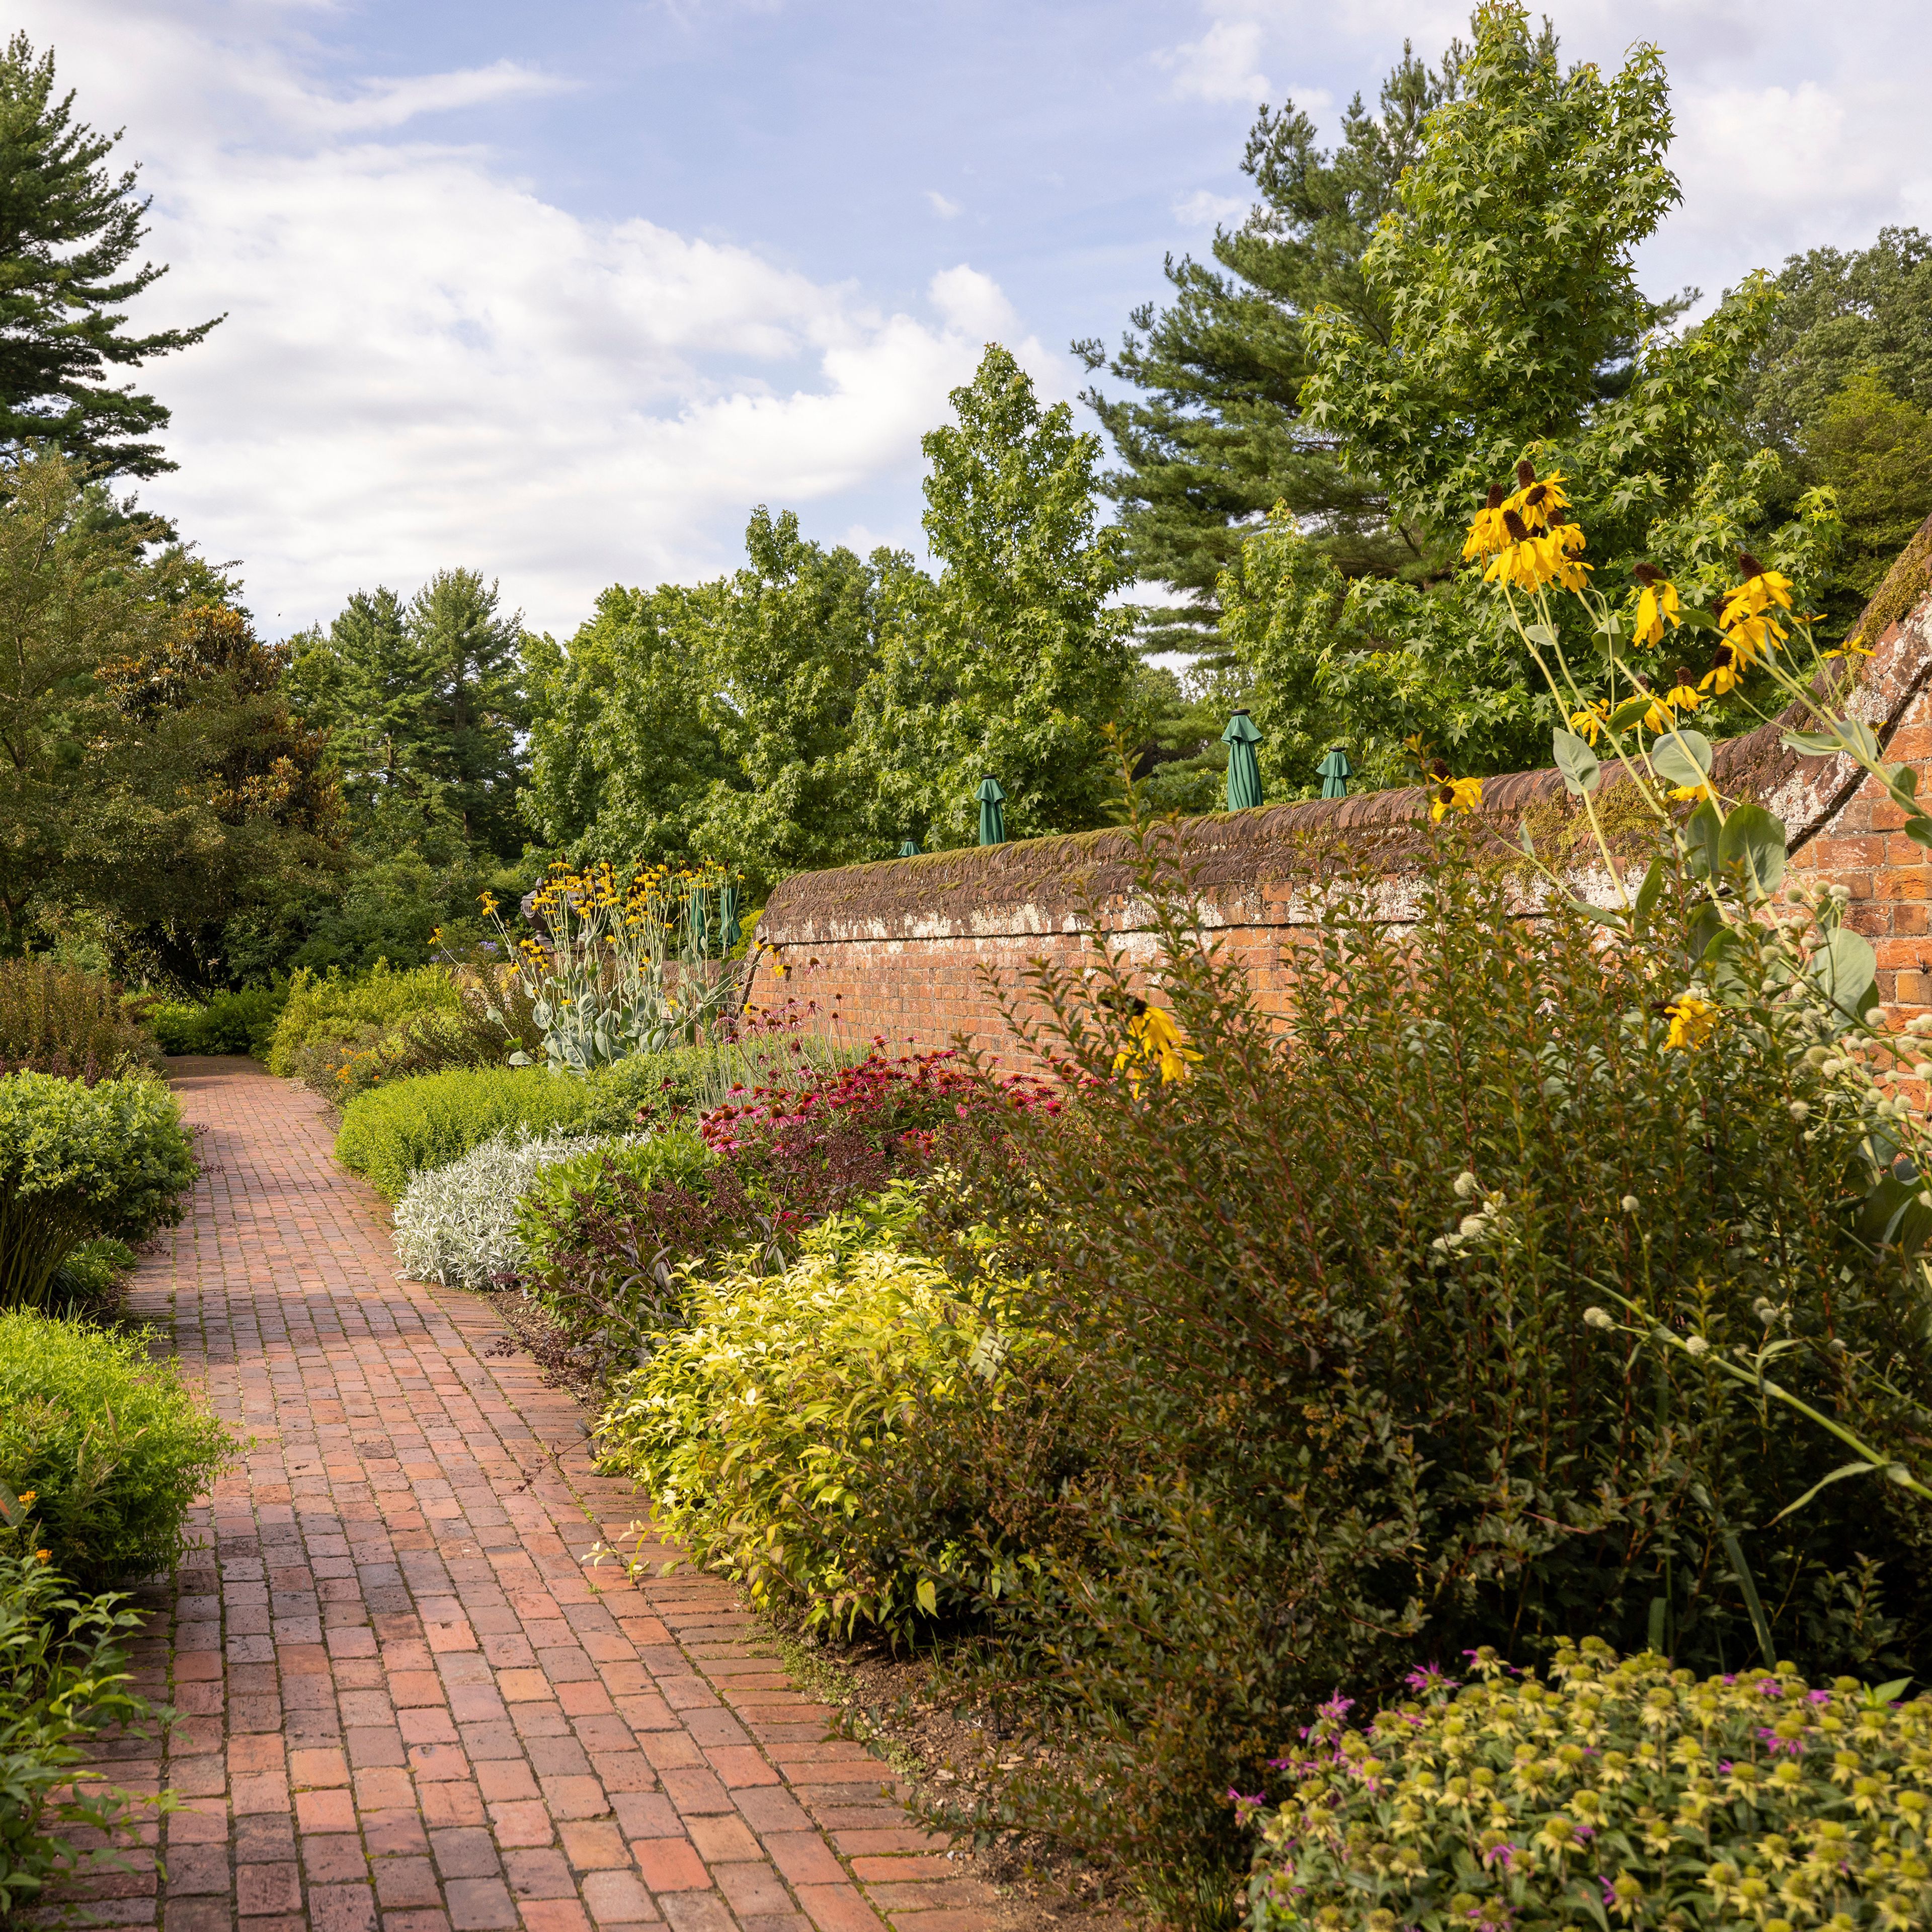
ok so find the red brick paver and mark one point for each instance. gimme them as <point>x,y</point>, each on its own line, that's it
<point>405,1702</point>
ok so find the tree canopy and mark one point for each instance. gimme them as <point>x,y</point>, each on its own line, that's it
<point>69,229</point>
<point>815,707</point>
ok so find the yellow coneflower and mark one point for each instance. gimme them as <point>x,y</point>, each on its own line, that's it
<point>1656,608</point>
<point>1538,502</point>
<point>1487,534</point>
<point>1681,696</point>
<point>1456,795</point>
<point>1588,722</point>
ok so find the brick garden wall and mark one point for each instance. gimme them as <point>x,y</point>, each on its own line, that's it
<point>901,947</point>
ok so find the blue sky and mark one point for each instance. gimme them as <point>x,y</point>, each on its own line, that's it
<point>559,291</point>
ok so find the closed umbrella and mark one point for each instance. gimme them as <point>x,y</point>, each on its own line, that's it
<point>1336,772</point>
<point>698,910</point>
<point>908,848</point>
<point>729,931</point>
<point>992,819</point>
<point>1244,774</point>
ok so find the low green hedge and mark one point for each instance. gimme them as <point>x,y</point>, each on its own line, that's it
<point>338,1006</point>
<point>389,1132</point>
<point>109,1443</point>
<point>243,1022</point>
<point>78,1161</point>
<point>62,1679</point>
<point>1618,1793</point>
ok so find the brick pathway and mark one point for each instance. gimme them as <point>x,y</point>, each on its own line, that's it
<point>403,1699</point>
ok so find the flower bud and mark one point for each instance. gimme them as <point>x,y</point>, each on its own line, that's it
<point>1466,1185</point>
<point>1800,1109</point>
<point>1595,1318</point>
<point>1631,1204</point>
<point>1696,1345</point>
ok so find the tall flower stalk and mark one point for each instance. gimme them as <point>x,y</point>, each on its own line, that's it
<point>628,966</point>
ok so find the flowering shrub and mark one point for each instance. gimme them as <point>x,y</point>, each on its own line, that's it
<point>1617,1793</point>
<point>833,1136</point>
<point>608,1237</point>
<point>1334,1394</point>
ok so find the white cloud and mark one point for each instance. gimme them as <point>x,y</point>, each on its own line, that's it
<point>1224,65</point>
<point>1201,209</point>
<point>941,205</point>
<point>389,103</point>
<point>426,364</point>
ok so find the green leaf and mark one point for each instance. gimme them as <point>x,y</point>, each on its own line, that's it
<point>1845,969</point>
<point>1812,744</point>
<point>1683,758</point>
<point>1904,780</point>
<point>1540,634</point>
<point>1919,830</point>
<point>1630,712</point>
<point>1754,841</point>
<point>1578,763</point>
<point>1648,893</point>
<point>1696,618</point>
<point>1702,831</point>
<point>928,1597</point>
<point>1842,1470</point>
<point>1886,1694</point>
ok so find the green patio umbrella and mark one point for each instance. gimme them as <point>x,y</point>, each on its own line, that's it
<point>729,931</point>
<point>908,848</point>
<point>1244,775</point>
<point>992,819</point>
<point>1336,772</point>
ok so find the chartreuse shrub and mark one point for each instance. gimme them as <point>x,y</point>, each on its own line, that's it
<point>776,1431</point>
<point>62,1679</point>
<point>58,1019</point>
<point>389,1132</point>
<point>1615,1793</point>
<point>77,1162</point>
<point>338,1006</point>
<point>110,1443</point>
<point>236,1022</point>
<point>1338,1386</point>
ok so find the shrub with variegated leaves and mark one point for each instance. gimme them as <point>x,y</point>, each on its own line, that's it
<point>1615,1793</point>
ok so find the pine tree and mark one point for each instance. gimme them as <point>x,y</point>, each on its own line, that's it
<point>1217,435</point>
<point>473,704</point>
<point>68,230</point>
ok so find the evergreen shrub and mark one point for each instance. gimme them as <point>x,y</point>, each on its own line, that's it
<point>787,1434</point>
<point>111,1445</point>
<point>77,1162</point>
